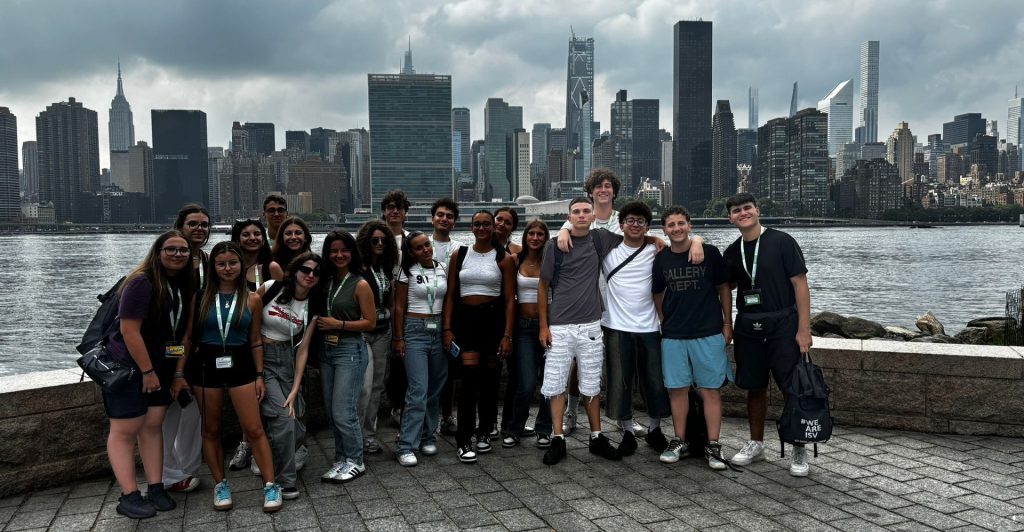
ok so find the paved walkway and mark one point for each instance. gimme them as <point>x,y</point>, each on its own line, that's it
<point>865,479</point>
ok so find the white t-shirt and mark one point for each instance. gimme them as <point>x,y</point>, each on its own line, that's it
<point>282,321</point>
<point>429,285</point>
<point>443,250</point>
<point>629,304</point>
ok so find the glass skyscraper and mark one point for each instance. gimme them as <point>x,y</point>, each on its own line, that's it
<point>691,113</point>
<point>869,90</point>
<point>501,120</point>
<point>69,157</point>
<point>839,106</point>
<point>579,100</point>
<point>180,161</point>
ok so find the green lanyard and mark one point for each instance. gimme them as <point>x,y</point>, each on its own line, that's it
<point>175,317</point>
<point>224,327</point>
<point>257,273</point>
<point>430,290</point>
<point>334,293</point>
<point>382,284</point>
<point>743,258</point>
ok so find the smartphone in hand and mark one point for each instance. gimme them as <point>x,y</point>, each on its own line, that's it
<point>455,350</point>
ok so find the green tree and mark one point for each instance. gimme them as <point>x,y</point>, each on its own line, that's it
<point>716,209</point>
<point>769,207</point>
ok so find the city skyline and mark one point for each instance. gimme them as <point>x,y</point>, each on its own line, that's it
<point>480,46</point>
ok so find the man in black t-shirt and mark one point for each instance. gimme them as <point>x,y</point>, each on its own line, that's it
<point>773,324</point>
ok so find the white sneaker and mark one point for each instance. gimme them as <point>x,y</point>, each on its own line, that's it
<point>752,450</point>
<point>799,466</point>
<point>568,423</point>
<point>271,497</point>
<point>241,458</point>
<point>407,459</point>
<point>351,472</point>
<point>429,449</point>
<point>222,496</point>
<point>676,449</point>
<point>254,468</point>
<point>332,474</point>
<point>301,454</point>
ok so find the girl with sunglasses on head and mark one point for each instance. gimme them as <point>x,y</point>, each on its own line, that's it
<point>229,354</point>
<point>349,311</point>
<point>287,335</point>
<point>419,297</point>
<point>293,238</point>
<point>380,257</point>
<point>251,236</point>
<point>479,312</point>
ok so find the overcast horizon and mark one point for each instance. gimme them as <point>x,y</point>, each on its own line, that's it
<point>302,65</point>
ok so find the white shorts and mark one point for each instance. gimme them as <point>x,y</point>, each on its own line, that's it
<point>585,343</point>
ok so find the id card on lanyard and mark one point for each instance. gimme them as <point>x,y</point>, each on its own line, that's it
<point>334,339</point>
<point>224,328</point>
<point>752,297</point>
<point>172,349</point>
<point>431,324</point>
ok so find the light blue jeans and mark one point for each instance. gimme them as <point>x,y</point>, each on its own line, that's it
<point>426,366</point>
<point>342,368</point>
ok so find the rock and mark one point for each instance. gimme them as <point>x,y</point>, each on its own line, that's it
<point>893,332</point>
<point>974,335</point>
<point>935,339</point>
<point>826,322</point>
<point>990,323</point>
<point>861,329</point>
<point>832,335</point>
<point>929,324</point>
<point>894,338</point>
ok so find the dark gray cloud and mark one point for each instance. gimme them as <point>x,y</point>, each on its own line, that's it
<point>304,64</point>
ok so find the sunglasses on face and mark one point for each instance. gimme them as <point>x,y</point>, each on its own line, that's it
<point>314,272</point>
<point>378,239</point>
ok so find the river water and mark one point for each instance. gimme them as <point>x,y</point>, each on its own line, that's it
<point>49,283</point>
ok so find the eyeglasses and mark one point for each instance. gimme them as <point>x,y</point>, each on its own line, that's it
<point>639,222</point>
<point>176,251</point>
<point>192,224</point>
<point>481,225</point>
<point>392,207</point>
<point>275,210</point>
<point>314,272</point>
<point>378,239</point>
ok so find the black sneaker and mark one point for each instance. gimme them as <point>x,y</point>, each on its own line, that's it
<point>656,439</point>
<point>602,446</point>
<point>556,452</point>
<point>628,445</point>
<point>483,444</point>
<point>510,440</point>
<point>466,454</point>
<point>134,506</point>
<point>289,494</point>
<point>158,497</point>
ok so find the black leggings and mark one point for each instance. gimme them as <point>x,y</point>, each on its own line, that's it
<point>481,328</point>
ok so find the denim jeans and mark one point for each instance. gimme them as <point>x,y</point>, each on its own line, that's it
<point>528,362</point>
<point>283,431</point>
<point>426,367</point>
<point>379,344</point>
<point>629,354</point>
<point>342,368</point>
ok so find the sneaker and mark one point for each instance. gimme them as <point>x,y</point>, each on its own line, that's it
<point>351,472</point>
<point>428,449</point>
<point>543,441</point>
<point>185,486</point>
<point>752,450</point>
<point>222,496</point>
<point>556,451</point>
<point>372,446</point>
<point>407,459</point>
<point>509,441</point>
<point>466,454</point>
<point>272,497</point>
<point>396,417</point>
<point>254,468</point>
<point>332,474</point>
<point>448,426</point>
<point>289,494</point>
<point>568,423</point>
<point>527,432</point>
<point>301,454</point>
<point>494,433</point>
<point>243,454</point>
<point>158,497</point>
<point>638,429</point>
<point>628,444</point>
<point>656,440</point>
<point>674,450</point>
<point>135,506</point>
<point>483,444</point>
<point>799,466</point>
<point>602,446</point>
<point>713,454</point>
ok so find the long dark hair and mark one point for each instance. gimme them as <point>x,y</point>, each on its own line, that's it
<point>364,241</point>
<point>288,283</point>
<point>152,269</point>
<point>407,257</point>
<point>536,222</point>
<point>283,255</point>
<point>354,266</point>
<point>191,208</point>
<point>494,236</point>
<point>212,287</point>
<point>263,256</point>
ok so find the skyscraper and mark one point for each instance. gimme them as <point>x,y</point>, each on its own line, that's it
<point>261,137</point>
<point>962,131</point>
<point>410,135</point>
<point>67,136</point>
<point>521,162</point>
<point>539,152</point>
<point>794,100</point>
<point>839,106</point>
<point>180,160</point>
<point>746,146</point>
<point>323,142</point>
<point>296,140</point>
<point>691,113</point>
<point>360,139</point>
<point>501,120</point>
<point>460,125</point>
<point>637,121</point>
<point>772,158</point>
<point>752,104</point>
<point>121,126</point>
<point>900,151</point>
<point>579,100</point>
<point>30,169</point>
<point>723,151</point>
<point>1015,120</point>
<point>10,202</point>
<point>869,90</point>
<point>807,176</point>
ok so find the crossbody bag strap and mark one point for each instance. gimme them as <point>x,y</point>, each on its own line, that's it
<point>625,262</point>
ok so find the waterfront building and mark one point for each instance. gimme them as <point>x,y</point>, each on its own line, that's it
<point>10,200</point>
<point>868,190</point>
<point>501,120</point>
<point>140,170</point>
<point>637,122</point>
<point>984,152</point>
<point>935,147</point>
<point>1015,122</point>
<point>30,170</point>
<point>410,135</point>
<point>521,163</point>
<point>579,101</point>
<point>691,101</point>
<point>245,179</point>
<point>752,104</point>
<point>67,136</point>
<point>359,173</point>
<point>214,168</point>
<point>296,140</point>
<point>460,128</point>
<point>838,104</point>
<point>1009,159</point>
<point>746,146</point>
<point>899,150</point>
<point>847,157</point>
<point>326,182</point>
<point>666,163</point>
<point>869,60</point>
<point>772,160</point>
<point>121,126</point>
<point>963,129</point>
<point>538,155</point>
<point>475,166</point>
<point>807,174</point>
<point>180,161</point>
<point>723,152</point>
<point>260,137</point>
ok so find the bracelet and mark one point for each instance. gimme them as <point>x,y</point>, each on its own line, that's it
<point>147,372</point>
<point>727,324</point>
<point>255,346</point>
<point>259,374</point>
<point>179,374</point>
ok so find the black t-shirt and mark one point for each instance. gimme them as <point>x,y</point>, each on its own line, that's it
<point>691,305</point>
<point>780,258</point>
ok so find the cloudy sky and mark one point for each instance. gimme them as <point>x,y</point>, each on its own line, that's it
<point>303,64</point>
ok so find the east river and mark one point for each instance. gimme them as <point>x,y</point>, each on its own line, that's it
<point>49,283</point>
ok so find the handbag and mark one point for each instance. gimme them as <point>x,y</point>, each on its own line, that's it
<point>110,374</point>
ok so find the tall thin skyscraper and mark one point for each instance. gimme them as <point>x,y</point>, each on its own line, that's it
<point>121,126</point>
<point>407,60</point>
<point>869,90</point>
<point>10,203</point>
<point>752,103</point>
<point>1015,121</point>
<point>900,151</point>
<point>579,100</point>
<point>69,156</point>
<point>30,169</point>
<point>501,120</point>
<point>460,125</point>
<point>691,113</point>
<point>807,174</point>
<point>794,100</point>
<point>723,154</point>
<point>839,106</point>
<point>180,160</point>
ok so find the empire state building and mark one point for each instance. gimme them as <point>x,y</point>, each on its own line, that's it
<point>121,127</point>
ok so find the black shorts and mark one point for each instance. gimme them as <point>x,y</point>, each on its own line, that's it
<point>201,368</point>
<point>131,403</point>
<point>756,356</point>
<point>479,328</point>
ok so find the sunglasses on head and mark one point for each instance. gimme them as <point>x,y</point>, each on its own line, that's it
<point>315,272</point>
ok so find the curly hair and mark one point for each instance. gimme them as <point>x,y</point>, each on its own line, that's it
<point>364,242</point>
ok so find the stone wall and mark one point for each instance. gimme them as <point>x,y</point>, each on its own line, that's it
<point>53,427</point>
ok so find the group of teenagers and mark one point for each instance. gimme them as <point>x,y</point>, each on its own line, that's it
<point>431,323</point>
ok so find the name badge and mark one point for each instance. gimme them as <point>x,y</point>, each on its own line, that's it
<point>332,340</point>
<point>752,297</point>
<point>174,351</point>
<point>431,325</point>
<point>224,362</point>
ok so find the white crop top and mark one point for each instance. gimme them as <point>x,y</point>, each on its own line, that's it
<point>526,288</point>
<point>480,275</point>
<point>282,321</point>
<point>427,288</point>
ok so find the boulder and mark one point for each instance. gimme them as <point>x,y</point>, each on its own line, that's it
<point>861,329</point>
<point>832,335</point>
<point>893,333</point>
<point>929,324</point>
<point>990,323</point>
<point>974,335</point>
<point>935,339</point>
<point>823,323</point>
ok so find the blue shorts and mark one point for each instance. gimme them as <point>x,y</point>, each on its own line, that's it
<point>699,361</point>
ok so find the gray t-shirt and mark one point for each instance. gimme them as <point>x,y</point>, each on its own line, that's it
<point>575,299</point>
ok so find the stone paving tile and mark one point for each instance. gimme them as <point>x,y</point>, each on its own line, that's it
<point>570,521</point>
<point>938,503</point>
<point>802,523</point>
<point>388,524</point>
<point>888,485</point>
<point>619,522</point>
<point>75,522</point>
<point>519,519</point>
<point>910,526</point>
<point>31,519</point>
<point>818,510</point>
<point>988,521</point>
<point>880,498</point>
<point>930,517</point>
<point>873,513</point>
<point>856,524</point>
<point>697,516</point>
<point>988,504</point>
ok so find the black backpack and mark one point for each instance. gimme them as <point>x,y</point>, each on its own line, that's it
<point>696,426</point>
<point>104,319</point>
<point>805,416</point>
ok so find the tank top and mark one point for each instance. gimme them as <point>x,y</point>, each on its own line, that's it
<point>341,302</point>
<point>526,288</point>
<point>480,274</point>
<point>282,322</point>
<point>238,331</point>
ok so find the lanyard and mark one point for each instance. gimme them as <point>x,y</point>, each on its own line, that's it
<point>447,249</point>
<point>224,327</point>
<point>430,290</point>
<point>257,272</point>
<point>201,273</point>
<point>382,284</point>
<point>334,293</point>
<point>743,258</point>
<point>175,317</point>
<point>291,324</point>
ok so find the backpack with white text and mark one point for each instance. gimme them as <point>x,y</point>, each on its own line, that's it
<point>805,415</point>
